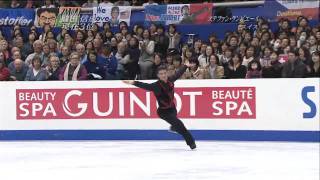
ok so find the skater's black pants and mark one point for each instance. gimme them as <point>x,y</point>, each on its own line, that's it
<point>170,115</point>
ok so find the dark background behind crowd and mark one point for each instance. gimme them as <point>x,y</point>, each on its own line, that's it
<point>292,51</point>
<point>73,3</point>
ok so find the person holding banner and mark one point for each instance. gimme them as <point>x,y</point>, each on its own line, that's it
<point>163,89</point>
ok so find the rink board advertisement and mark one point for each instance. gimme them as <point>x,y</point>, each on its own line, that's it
<point>262,109</point>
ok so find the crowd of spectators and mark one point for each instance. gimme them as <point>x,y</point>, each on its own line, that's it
<point>292,51</point>
<point>93,3</point>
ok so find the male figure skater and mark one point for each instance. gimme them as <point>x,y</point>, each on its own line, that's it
<point>163,89</point>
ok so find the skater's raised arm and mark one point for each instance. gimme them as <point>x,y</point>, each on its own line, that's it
<point>146,86</point>
<point>179,73</point>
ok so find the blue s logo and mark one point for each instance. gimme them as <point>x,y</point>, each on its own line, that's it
<point>313,109</point>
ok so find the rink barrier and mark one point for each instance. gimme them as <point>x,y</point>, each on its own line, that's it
<point>248,110</point>
<point>219,135</point>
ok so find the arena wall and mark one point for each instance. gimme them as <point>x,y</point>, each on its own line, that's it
<point>248,110</point>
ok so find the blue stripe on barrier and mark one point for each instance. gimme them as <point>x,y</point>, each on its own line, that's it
<point>231,135</point>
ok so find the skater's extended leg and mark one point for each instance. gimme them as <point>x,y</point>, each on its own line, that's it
<point>178,126</point>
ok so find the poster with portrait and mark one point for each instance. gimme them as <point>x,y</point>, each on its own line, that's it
<point>46,16</point>
<point>112,14</point>
<point>68,17</point>
<point>179,14</point>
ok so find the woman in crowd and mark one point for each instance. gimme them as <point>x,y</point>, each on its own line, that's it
<point>134,53</point>
<point>204,60</point>
<point>254,70</point>
<point>36,73</point>
<point>274,69</point>
<point>249,56</point>
<point>146,57</point>
<point>315,67</point>
<point>235,69</point>
<point>73,70</point>
<point>94,68</point>
<point>4,71</point>
<point>214,70</point>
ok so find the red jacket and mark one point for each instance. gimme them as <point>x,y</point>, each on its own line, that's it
<point>4,74</point>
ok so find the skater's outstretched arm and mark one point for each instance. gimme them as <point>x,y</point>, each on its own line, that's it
<point>146,86</point>
<point>179,73</point>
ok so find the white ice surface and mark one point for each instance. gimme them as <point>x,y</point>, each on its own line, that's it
<point>154,160</point>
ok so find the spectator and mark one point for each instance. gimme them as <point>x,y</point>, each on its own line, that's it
<point>226,57</point>
<point>81,50</point>
<point>254,70</point>
<point>106,3</point>
<point>15,4</point>
<point>18,71</point>
<point>249,56</point>
<point>48,4</point>
<point>135,3</point>
<point>274,69</point>
<point>36,73</point>
<point>157,63</point>
<point>4,47</point>
<point>28,46</point>
<point>89,46</point>
<point>134,53</point>
<point>46,30</point>
<point>123,59</point>
<point>315,67</point>
<point>53,68</point>
<point>265,59</point>
<point>313,43</point>
<point>235,69</point>
<point>121,3</point>
<point>90,4</point>
<point>14,54</point>
<point>294,67</point>
<point>94,68</point>
<point>74,70</point>
<point>150,2</point>
<point>161,41</point>
<point>45,57</point>
<point>214,70</point>
<point>3,58</point>
<point>204,59</point>
<point>37,46</point>
<point>146,57</point>
<point>110,63</point>
<point>194,72</point>
<point>174,37</point>
<point>189,53</point>
<point>4,71</point>
<point>177,62</point>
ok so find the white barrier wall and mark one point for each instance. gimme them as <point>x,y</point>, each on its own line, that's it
<point>288,105</point>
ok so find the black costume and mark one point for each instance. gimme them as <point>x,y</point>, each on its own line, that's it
<point>164,92</point>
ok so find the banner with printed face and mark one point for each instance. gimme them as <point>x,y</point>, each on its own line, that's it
<point>46,16</point>
<point>179,14</point>
<point>291,9</point>
<point>112,14</point>
<point>68,17</point>
<point>21,17</point>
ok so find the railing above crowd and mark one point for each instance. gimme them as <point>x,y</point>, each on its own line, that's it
<point>253,39</point>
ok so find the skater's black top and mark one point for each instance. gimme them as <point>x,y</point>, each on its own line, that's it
<point>164,91</point>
